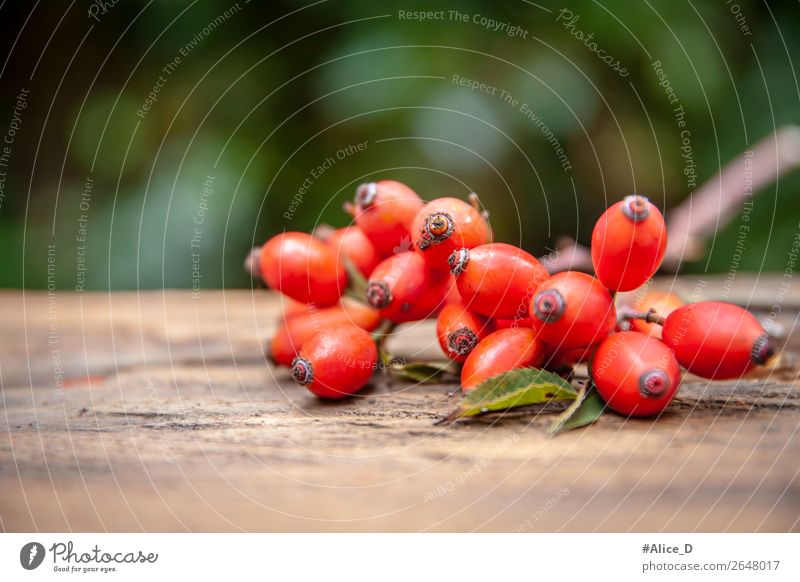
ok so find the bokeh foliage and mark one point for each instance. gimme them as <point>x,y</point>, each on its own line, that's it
<point>278,87</point>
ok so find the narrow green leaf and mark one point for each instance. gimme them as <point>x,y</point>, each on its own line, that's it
<point>356,283</point>
<point>430,372</point>
<point>584,411</point>
<point>511,389</point>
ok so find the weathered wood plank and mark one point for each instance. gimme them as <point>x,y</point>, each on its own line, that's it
<point>181,425</point>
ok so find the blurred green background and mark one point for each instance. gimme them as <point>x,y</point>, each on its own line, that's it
<point>262,95</point>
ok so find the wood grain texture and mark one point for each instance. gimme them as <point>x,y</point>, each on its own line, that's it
<point>169,419</point>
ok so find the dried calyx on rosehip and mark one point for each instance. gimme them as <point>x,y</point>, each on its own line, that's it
<point>445,225</point>
<point>459,330</point>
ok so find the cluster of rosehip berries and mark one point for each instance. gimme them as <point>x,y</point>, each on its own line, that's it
<point>497,307</point>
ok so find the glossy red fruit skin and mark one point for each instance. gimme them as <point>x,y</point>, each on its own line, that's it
<point>352,243</point>
<point>297,329</point>
<point>717,340</point>
<point>572,310</point>
<point>459,330</point>
<point>628,243</point>
<point>303,268</point>
<point>404,289</point>
<point>636,374</point>
<point>337,362</point>
<point>501,351</point>
<point>556,359</point>
<point>445,225</point>
<point>497,279</point>
<point>516,322</point>
<point>663,302</point>
<point>384,211</point>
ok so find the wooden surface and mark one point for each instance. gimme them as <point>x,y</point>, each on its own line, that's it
<point>169,419</point>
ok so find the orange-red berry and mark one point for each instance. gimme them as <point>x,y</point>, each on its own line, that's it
<point>336,362</point>
<point>572,310</point>
<point>459,330</point>
<point>384,211</point>
<point>497,279</point>
<point>559,359</point>
<point>717,340</point>
<point>403,288</point>
<point>352,243</point>
<point>445,225</point>
<point>298,328</point>
<point>628,243</point>
<point>501,351</point>
<point>636,374</point>
<point>303,268</point>
<point>663,302</point>
<point>516,322</point>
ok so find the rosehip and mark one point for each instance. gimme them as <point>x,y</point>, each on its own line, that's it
<point>501,351</point>
<point>403,288</point>
<point>296,329</point>
<point>717,340</point>
<point>497,279</point>
<point>628,243</point>
<point>356,246</point>
<point>384,211</point>
<point>452,295</point>
<point>636,375</point>
<point>445,225</point>
<point>303,268</point>
<point>557,359</point>
<point>291,308</point>
<point>336,362</point>
<point>572,310</point>
<point>459,330</point>
<point>664,303</point>
<point>516,322</point>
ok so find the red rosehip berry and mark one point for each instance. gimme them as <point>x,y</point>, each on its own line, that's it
<point>336,362</point>
<point>403,288</point>
<point>717,340</point>
<point>351,242</point>
<point>501,351</point>
<point>459,330</point>
<point>497,279</point>
<point>303,268</point>
<point>572,310</point>
<point>384,211</point>
<point>559,359</point>
<point>452,295</point>
<point>636,374</point>
<point>298,327</point>
<point>516,322</point>
<point>662,302</point>
<point>445,225</point>
<point>628,243</point>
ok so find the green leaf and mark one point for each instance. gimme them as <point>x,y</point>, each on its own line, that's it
<point>511,389</point>
<point>584,411</point>
<point>430,372</point>
<point>356,283</point>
